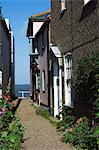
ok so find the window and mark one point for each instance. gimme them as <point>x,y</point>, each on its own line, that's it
<point>63,6</point>
<point>38,81</point>
<point>86,1</point>
<point>43,81</point>
<point>68,61</point>
<point>67,80</point>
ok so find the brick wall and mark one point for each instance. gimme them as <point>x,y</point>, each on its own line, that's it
<point>76,29</point>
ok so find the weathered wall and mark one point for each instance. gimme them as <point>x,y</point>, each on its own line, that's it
<point>6,55</point>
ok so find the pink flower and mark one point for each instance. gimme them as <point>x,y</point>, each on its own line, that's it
<point>5,97</point>
<point>1,113</point>
<point>8,96</point>
<point>3,109</point>
<point>70,130</point>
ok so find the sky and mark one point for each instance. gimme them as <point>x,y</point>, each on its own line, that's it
<point>18,12</point>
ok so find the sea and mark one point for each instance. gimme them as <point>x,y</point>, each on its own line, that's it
<point>22,87</point>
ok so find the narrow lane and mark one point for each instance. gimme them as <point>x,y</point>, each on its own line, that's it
<point>39,133</point>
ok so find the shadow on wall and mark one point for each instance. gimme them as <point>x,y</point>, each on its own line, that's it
<point>88,9</point>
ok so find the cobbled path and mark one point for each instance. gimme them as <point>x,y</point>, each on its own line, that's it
<point>39,133</point>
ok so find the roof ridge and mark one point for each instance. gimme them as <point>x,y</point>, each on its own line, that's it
<point>41,13</point>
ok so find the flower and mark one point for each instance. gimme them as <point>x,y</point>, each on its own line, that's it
<point>3,109</point>
<point>1,113</point>
<point>5,97</point>
<point>69,130</point>
<point>79,120</point>
<point>8,96</point>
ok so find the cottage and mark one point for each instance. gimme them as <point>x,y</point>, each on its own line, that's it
<point>45,66</point>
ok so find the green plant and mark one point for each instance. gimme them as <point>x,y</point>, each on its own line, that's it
<point>81,135</point>
<point>68,119</point>
<point>78,131</point>
<point>11,130</point>
<point>85,86</point>
<point>43,112</point>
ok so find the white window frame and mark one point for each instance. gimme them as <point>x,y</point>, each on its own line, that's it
<point>67,79</point>
<point>63,5</point>
<point>86,1</point>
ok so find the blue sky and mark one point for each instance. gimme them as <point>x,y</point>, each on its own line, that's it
<point>18,12</point>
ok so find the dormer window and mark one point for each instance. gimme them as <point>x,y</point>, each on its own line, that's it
<point>63,5</point>
<point>86,1</point>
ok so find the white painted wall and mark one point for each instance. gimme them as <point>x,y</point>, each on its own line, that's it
<point>36,27</point>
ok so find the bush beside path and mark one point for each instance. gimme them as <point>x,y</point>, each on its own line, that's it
<point>39,133</point>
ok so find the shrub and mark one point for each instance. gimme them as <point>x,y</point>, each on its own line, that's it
<point>81,135</point>
<point>85,86</point>
<point>11,131</point>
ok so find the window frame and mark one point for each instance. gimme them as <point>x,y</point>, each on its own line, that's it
<point>68,61</point>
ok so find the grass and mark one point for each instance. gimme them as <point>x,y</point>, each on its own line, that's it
<point>44,112</point>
